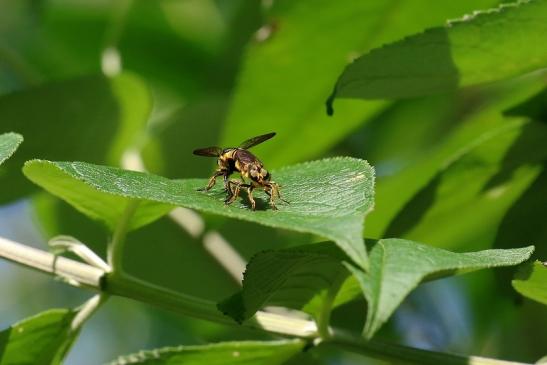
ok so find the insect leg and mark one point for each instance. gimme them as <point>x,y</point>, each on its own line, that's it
<point>212,180</point>
<point>250,194</point>
<point>226,185</point>
<point>276,189</point>
<point>233,187</point>
<point>268,189</point>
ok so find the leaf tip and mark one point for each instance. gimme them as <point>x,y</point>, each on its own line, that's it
<point>29,163</point>
<point>528,251</point>
<point>233,307</point>
<point>329,103</point>
<point>15,135</point>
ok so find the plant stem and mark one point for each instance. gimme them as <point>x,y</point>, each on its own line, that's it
<point>328,301</point>
<point>134,288</point>
<point>390,352</point>
<point>137,289</point>
<point>87,310</point>
<point>116,245</point>
<point>75,272</point>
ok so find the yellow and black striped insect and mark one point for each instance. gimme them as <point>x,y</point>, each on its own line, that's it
<point>238,159</point>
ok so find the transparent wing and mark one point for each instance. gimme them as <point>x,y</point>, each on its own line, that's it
<point>256,140</point>
<point>208,151</point>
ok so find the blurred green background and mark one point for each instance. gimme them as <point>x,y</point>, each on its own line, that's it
<point>97,81</point>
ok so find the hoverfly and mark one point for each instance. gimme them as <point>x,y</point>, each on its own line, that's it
<point>238,159</point>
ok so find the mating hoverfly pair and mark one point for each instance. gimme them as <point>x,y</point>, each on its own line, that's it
<point>238,159</point>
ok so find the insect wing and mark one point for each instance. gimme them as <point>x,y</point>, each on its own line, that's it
<point>208,151</point>
<point>246,157</point>
<point>256,140</point>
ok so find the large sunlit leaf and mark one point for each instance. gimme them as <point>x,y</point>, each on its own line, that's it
<point>397,266</point>
<point>298,278</point>
<point>8,144</point>
<point>531,281</point>
<point>92,118</point>
<point>41,339</point>
<point>328,198</point>
<point>226,353</point>
<point>467,199</point>
<point>485,125</point>
<point>484,47</point>
<point>287,71</point>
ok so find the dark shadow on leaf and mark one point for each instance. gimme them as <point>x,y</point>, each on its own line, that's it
<point>520,153</point>
<point>525,271</point>
<point>4,338</point>
<point>524,223</point>
<point>534,108</point>
<point>414,210</point>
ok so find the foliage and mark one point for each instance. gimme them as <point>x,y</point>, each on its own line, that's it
<point>268,353</point>
<point>531,281</point>
<point>317,192</point>
<point>8,144</point>
<point>465,52</point>
<point>446,149</point>
<point>42,338</point>
<point>301,277</point>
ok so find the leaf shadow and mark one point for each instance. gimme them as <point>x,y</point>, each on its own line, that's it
<point>414,210</point>
<point>524,223</point>
<point>4,338</point>
<point>517,155</point>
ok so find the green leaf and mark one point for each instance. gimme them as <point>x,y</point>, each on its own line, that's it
<point>531,281</point>
<point>298,278</point>
<point>92,118</point>
<point>487,46</point>
<point>8,144</point>
<point>397,267</point>
<point>287,70</point>
<point>329,198</point>
<point>533,108</point>
<point>226,353</point>
<point>465,202</point>
<point>411,187</point>
<point>41,339</point>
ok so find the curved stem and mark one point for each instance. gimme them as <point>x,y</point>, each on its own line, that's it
<point>73,271</point>
<point>408,355</point>
<point>326,309</point>
<point>131,287</point>
<point>116,245</point>
<point>199,308</point>
<point>87,310</point>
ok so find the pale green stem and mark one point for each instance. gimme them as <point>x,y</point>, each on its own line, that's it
<point>117,244</point>
<point>87,310</point>
<point>134,288</point>
<point>396,354</point>
<point>326,309</point>
<point>131,287</point>
<point>199,308</point>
